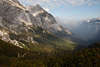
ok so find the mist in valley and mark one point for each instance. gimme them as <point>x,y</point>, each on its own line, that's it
<point>85,30</point>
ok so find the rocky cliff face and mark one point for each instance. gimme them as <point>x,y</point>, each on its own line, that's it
<point>21,26</point>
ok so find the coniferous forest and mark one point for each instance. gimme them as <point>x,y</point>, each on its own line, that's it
<point>12,56</point>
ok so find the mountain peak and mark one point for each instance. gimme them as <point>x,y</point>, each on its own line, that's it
<point>35,8</point>
<point>38,6</point>
<point>22,26</point>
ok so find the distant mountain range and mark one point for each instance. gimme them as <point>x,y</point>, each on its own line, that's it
<point>94,20</point>
<point>88,30</point>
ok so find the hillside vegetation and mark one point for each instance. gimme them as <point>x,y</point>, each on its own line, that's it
<point>12,56</point>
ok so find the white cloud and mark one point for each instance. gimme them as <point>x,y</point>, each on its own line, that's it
<point>76,2</point>
<point>82,2</point>
<point>56,3</point>
<point>73,2</point>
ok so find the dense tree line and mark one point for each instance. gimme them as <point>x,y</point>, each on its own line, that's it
<point>12,56</point>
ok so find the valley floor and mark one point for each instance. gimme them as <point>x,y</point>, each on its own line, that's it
<point>12,56</point>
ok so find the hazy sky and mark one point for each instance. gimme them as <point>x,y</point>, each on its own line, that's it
<point>70,9</point>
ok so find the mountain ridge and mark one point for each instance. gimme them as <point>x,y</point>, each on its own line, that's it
<point>30,28</point>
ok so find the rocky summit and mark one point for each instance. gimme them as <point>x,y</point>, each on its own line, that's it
<point>25,27</point>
